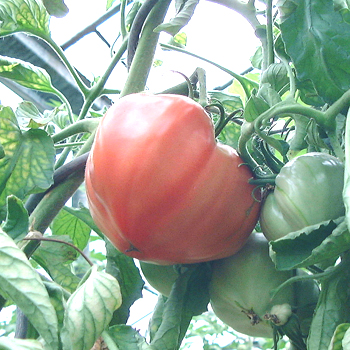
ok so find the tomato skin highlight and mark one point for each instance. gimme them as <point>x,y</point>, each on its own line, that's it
<point>161,188</point>
<point>308,191</point>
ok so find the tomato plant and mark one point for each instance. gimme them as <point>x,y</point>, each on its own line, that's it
<point>165,174</point>
<point>308,190</point>
<point>173,176</point>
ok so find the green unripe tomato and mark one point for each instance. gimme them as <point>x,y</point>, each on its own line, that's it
<point>160,277</point>
<point>241,286</point>
<point>308,190</point>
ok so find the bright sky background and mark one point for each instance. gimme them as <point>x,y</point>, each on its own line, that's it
<point>215,32</point>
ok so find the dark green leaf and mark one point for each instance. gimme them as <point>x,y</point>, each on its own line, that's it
<point>26,74</point>
<point>189,297</point>
<point>29,162</point>
<point>308,93</point>
<point>123,268</point>
<point>23,285</point>
<point>127,338</point>
<point>346,190</point>
<point>311,245</point>
<point>66,223</point>
<point>89,310</point>
<point>230,102</point>
<point>56,8</point>
<point>254,107</point>
<point>333,308</point>
<point>55,258</point>
<point>276,75</point>
<point>268,94</point>
<point>24,16</point>
<point>17,220</point>
<point>185,10</point>
<point>318,41</point>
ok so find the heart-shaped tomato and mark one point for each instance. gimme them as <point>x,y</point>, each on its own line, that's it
<point>162,189</point>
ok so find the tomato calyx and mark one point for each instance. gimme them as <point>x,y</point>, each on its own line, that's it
<point>254,318</point>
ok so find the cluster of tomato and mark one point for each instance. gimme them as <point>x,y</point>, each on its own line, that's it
<point>165,192</point>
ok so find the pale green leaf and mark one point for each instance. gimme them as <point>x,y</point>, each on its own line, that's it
<point>89,311</point>
<point>126,337</point>
<point>29,116</point>
<point>123,268</point>
<point>346,339</point>
<point>22,284</point>
<point>185,11</point>
<point>55,258</point>
<point>28,164</point>
<point>338,335</point>
<point>26,74</point>
<point>20,344</point>
<point>28,16</point>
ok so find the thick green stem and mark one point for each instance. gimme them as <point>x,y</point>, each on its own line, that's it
<point>143,59</point>
<point>86,125</point>
<point>269,30</point>
<point>83,88</point>
<point>337,107</point>
<point>97,89</point>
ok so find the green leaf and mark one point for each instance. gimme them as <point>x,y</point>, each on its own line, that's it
<point>254,107</point>
<point>55,259</point>
<point>67,223</point>
<point>189,297</point>
<point>56,8</point>
<point>346,339</point>
<point>28,16</point>
<point>257,59</point>
<point>23,285</point>
<point>126,337</point>
<point>346,189</point>
<point>20,344</point>
<point>230,102</point>
<point>89,310</point>
<point>29,162</point>
<point>311,245</point>
<point>308,93</point>
<point>338,335</point>
<point>123,268</point>
<point>57,298</point>
<point>26,74</point>
<point>16,224</point>
<point>318,41</point>
<point>276,75</point>
<point>84,215</point>
<point>332,309</point>
<point>184,12</point>
<point>29,115</point>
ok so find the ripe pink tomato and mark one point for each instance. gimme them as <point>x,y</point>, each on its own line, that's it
<point>162,189</point>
